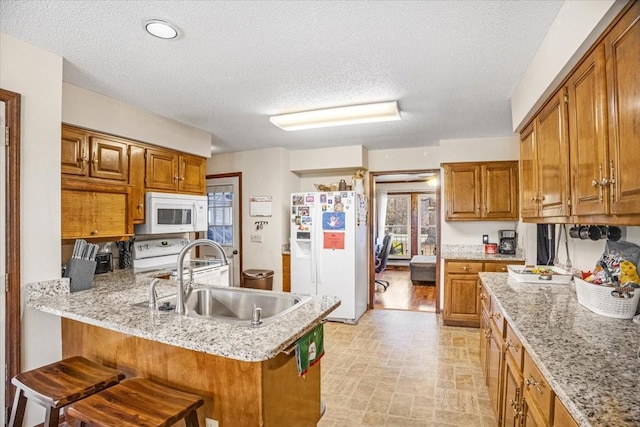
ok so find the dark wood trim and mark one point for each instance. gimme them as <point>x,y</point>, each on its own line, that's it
<point>372,224</point>
<point>239,176</point>
<point>13,343</point>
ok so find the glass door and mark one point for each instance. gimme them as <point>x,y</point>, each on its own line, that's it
<point>398,223</point>
<point>428,230</point>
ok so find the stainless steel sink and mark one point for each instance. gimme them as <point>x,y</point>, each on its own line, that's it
<point>233,305</point>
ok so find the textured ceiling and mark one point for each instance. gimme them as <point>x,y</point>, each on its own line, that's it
<point>452,65</point>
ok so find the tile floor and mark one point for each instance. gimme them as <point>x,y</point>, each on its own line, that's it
<point>403,368</point>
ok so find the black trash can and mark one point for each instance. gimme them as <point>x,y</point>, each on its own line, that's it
<point>258,279</point>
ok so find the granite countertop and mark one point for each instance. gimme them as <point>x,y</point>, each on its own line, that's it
<point>589,360</point>
<point>109,304</point>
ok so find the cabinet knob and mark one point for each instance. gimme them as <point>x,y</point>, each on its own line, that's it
<point>465,268</point>
<point>94,232</point>
<point>496,315</point>
<point>509,344</point>
<point>181,178</point>
<point>530,381</point>
<point>175,178</point>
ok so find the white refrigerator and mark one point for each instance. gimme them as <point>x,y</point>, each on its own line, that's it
<point>329,254</point>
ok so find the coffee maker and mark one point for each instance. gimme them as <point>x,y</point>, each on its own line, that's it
<point>507,242</point>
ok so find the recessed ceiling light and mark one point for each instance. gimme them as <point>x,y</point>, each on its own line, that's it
<point>352,114</point>
<point>161,29</point>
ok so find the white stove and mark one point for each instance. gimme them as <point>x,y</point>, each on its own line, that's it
<point>152,255</point>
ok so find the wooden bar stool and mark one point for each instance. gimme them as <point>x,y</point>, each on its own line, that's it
<point>136,402</point>
<point>59,384</point>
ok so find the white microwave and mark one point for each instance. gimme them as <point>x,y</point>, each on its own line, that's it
<point>173,213</point>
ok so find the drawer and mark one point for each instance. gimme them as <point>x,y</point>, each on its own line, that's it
<point>514,346</point>
<point>496,267</point>
<point>485,298</point>
<point>562,417</point>
<point>495,314</point>
<point>536,386</point>
<point>454,267</point>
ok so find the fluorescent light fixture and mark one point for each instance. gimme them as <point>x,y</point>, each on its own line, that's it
<point>161,29</point>
<point>352,114</point>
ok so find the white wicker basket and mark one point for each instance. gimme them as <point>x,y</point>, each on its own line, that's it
<point>598,299</point>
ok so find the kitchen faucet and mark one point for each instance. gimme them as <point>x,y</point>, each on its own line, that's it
<point>180,291</point>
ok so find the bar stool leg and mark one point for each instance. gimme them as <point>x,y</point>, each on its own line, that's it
<point>191,420</point>
<point>51,417</point>
<point>17,411</point>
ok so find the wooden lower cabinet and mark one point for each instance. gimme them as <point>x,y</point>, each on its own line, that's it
<point>520,395</point>
<point>462,290</point>
<point>236,393</point>
<point>286,273</point>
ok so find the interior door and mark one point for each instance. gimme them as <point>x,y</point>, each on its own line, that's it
<point>224,226</point>
<point>2,258</point>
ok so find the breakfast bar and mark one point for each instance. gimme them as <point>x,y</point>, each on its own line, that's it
<point>247,376</point>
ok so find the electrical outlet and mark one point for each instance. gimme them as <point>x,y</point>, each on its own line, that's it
<point>256,238</point>
<point>485,238</point>
<point>210,422</point>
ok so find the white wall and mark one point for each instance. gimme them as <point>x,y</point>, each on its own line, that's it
<point>576,27</point>
<point>94,111</point>
<point>264,173</point>
<point>404,159</point>
<point>37,76</point>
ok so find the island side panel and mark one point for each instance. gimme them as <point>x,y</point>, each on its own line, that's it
<point>289,399</point>
<point>232,389</point>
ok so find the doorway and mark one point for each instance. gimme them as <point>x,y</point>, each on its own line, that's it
<point>405,207</point>
<point>10,247</point>
<point>224,195</point>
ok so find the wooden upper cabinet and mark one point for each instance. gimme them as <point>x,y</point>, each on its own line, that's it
<point>137,168</point>
<point>89,155</point>
<point>75,151</point>
<point>162,170</point>
<point>462,191</point>
<point>528,173</point>
<point>171,171</point>
<point>588,136</point>
<point>500,191</point>
<point>622,50</point>
<point>109,159</point>
<point>191,174</point>
<point>552,158</point>
<point>481,191</point>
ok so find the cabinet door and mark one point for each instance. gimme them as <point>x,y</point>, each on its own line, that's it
<point>562,417</point>
<point>462,305</point>
<point>90,214</point>
<point>75,151</point>
<point>136,179</point>
<point>162,170</point>
<point>552,158</point>
<point>528,174</point>
<point>500,191</point>
<point>462,191</point>
<point>622,49</point>
<point>512,394</point>
<point>192,174</point>
<point>109,159</point>
<point>485,334</point>
<point>495,370</point>
<point>286,273</point>
<point>531,416</point>
<point>588,136</point>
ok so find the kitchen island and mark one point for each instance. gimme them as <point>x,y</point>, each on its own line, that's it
<point>590,361</point>
<point>247,376</point>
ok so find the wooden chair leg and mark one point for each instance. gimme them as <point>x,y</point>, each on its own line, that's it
<point>51,417</point>
<point>191,420</point>
<point>17,412</point>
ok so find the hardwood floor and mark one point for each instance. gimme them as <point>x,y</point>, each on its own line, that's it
<point>402,294</point>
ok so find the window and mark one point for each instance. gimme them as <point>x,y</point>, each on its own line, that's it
<point>220,210</point>
<point>428,232</point>
<point>398,223</point>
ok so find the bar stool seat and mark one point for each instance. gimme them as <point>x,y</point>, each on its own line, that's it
<point>58,384</point>
<point>136,402</point>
